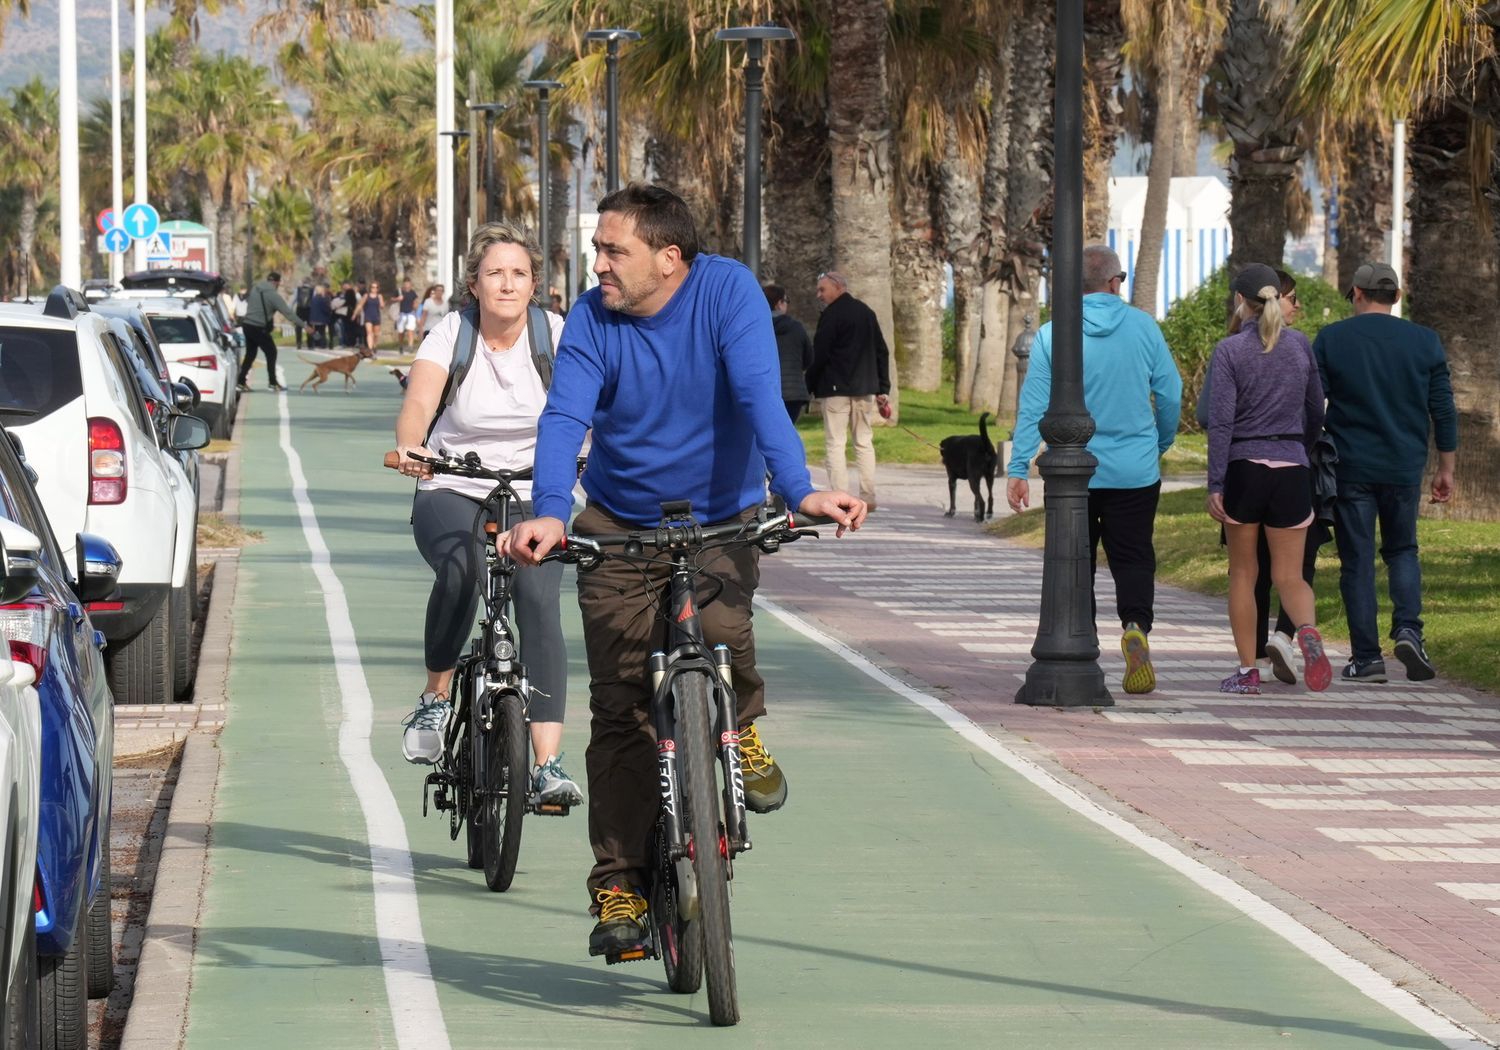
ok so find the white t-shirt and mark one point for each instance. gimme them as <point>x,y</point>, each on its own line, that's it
<point>496,410</point>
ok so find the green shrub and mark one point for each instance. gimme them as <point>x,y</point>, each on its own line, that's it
<point>1195,324</point>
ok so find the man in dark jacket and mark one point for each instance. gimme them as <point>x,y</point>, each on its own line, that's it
<point>261,307</point>
<point>301,301</point>
<point>851,373</point>
<point>795,349</point>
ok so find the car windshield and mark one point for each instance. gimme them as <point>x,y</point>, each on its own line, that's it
<point>174,329</point>
<point>38,371</point>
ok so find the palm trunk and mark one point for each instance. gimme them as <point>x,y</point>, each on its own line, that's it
<point>1364,200</point>
<point>366,231</point>
<point>1103,37</point>
<point>26,233</point>
<point>917,287</point>
<point>981,390</point>
<point>959,200</point>
<point>1164,136</point>
<point>1454,265</point>
<point>1185,151</point>
<point>557,252</point>
<point>859,132</point>
<point>322,234</point>
<point>798,201</point>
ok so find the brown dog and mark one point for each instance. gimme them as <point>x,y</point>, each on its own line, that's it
<point>323,372</point>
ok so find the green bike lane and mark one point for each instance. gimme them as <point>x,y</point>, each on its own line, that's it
<point>914,892</point>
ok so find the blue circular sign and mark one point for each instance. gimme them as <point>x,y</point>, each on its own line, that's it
<point>141,221</point>
<point>116,240</point>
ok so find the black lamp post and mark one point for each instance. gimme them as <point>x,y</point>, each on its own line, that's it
<point>1066,672</point>
<point>755,79</point>
<point>612,38</point>
<point>544,171</point>
<point>460,243</point>
<point>490,110</point>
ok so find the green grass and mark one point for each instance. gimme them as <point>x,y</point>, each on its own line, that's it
<point>1460,580</point>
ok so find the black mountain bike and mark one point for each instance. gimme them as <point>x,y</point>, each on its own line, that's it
<point>483,778</point>
<point>701,825</point>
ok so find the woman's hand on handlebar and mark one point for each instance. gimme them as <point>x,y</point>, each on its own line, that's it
<point>529,541</point>
<point>410,467</point>
<point>848,511</point>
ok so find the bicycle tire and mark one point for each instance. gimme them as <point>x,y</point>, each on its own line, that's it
<point>701,800</point>
<point>505,766</point>
<point>473,814</point>
<point>679,942</point>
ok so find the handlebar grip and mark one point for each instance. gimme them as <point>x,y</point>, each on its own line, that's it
<point>393,460</point>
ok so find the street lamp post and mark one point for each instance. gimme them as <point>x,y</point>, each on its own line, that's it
<point>1066,669</point>
<point>67,109</point>
<point>116,149</point>
<point>460,244</point>
<point>612,38</point>
<point>490,110</point>
<point>543,170</point>
<point>755,79</point>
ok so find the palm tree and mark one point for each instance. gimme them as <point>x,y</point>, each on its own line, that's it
<point>28,162</point>
<point>1104,69</point>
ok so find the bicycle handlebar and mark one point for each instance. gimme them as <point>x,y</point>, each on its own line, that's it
<point>588,551</point>
<point>467,466</point>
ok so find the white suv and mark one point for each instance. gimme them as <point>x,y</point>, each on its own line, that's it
<point>195,352</point>
<point>65,393</point>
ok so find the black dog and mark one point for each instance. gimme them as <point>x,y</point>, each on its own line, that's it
<point>971,457</point>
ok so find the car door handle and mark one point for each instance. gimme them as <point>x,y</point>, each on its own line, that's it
<point>75,613</point>
<point>99,641</point>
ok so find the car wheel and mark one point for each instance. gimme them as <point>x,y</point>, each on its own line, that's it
<point>63,995</point>
<point>23,1019</point>
<point>181,616</point>
<point>100,960</point>
<point>140,671</point>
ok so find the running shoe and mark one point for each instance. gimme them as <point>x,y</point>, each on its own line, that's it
<point>1316,671</point>
<point>551,785</point>
<point>1140,676</point>
<point>622,922</point>
<point>765,784</point>
<point>1281,654</point>
<point>1243,682</point>
<point>1410,651</point>
<point>1364,671</point>
<point>422,743</point>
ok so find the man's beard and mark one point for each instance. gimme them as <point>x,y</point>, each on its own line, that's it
<point>628,298</point>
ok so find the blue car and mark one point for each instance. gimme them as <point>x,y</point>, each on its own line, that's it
<point>49,630</point>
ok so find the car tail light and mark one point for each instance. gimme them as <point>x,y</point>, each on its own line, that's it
<point>107,475</point>
<point>23,626</point>
<point>208,361</point>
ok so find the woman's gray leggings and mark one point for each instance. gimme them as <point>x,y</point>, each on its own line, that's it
<point>443,526</point>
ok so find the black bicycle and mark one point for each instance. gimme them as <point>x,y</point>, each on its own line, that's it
<point>483,778</point>
<point>699,830</point>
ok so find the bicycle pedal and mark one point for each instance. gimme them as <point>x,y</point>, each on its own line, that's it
<point>635,954</point>
<point>551,809</point>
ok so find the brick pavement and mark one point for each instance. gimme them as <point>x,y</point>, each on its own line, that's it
<point>1377,804</point>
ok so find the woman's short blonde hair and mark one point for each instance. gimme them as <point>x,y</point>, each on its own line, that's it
<point>493,233</point>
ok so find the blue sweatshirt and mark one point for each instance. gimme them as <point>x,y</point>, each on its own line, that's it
<point>684,404</point>
<point>1130,384</point>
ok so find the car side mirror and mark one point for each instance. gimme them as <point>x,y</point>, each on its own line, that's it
<point>184,396</point>
<point>187,432</point>
<point>20,562</point>
<point>98,568</point>
<point>192,388</point>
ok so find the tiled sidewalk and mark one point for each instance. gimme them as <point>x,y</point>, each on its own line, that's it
<point>1378,804</point>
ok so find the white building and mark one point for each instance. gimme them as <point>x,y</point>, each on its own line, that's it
<point>1197,236</point>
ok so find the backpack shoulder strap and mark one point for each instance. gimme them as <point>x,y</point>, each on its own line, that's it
<point>539,329</point>
<point>463,356</point>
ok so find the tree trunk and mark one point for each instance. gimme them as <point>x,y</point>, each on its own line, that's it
<point>1164,136</point>
<point>675,166</point>
<point>1454,268</point>
<point>1364,200</point>
<point>322,222</point>
<point>958,196</point>
<point>981,390</point>
<point>917,287</point>
<point>1185,151</point>
<point>859,134</point>
<point>366,231</point>
<point>798,204</point>
<point>558,251</point>
<point>26,233</point>
<point>1103,37</point>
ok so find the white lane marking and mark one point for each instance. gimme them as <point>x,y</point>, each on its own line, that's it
<point>1379,988</point>
<point>415,1013</point>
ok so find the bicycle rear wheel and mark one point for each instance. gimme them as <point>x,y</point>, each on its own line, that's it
<point>701,800</point>
<point>505,792</point>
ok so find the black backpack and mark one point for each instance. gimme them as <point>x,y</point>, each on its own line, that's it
<point>539,332</point>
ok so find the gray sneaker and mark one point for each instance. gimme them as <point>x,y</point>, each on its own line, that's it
<point>422,742</point>
<point>1409,651</point>
<point>553,786</point>
<point>1369,671</point>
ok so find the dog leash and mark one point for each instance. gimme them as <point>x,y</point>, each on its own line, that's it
<point>919,437</point>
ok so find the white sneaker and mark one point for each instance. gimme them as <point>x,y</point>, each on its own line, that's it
<point>1283,657</point>
<point>422,742</point>
<point>554,786</point>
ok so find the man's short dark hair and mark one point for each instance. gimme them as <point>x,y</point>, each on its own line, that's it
<point>661,217</point>
<point>775,295</point>
<point>273,276</point>
<point>1383,296</point>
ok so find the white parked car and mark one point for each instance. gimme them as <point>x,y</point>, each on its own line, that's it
<point>65,393</point>
<point>194,351</point>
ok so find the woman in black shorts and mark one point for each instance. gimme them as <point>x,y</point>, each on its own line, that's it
<point>1265,412</point>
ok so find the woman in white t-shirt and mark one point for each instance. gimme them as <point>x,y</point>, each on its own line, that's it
<point>495,415</point>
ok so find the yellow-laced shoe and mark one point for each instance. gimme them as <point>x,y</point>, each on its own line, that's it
<point>1140,676</point>
<point>622,922</point>
<point>765,784</point>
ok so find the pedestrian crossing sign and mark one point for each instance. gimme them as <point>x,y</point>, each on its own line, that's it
<point>159,246</point>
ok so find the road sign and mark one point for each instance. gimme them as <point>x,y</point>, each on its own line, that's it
<point>116,240</point>
<point>158,246</point>
<point>105,219</point>
<point>141,221</point>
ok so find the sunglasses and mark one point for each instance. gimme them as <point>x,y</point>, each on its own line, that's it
<point>1122,275</point>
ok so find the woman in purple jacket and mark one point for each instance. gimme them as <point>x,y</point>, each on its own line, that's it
<point>1265,412</point>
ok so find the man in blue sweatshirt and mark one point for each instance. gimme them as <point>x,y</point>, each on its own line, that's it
<point>1388,388</point>
<point>1134,392</point>
<point>672,361</point>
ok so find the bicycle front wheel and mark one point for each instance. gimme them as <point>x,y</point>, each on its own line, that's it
<point>470,764</point>
<point>505,792</point>
<point>693,693</point>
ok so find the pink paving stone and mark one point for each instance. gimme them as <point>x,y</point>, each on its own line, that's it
<point>1397,903</point>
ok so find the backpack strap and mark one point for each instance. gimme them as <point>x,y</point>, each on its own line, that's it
<point>463,356</point>
<point>543,353</point>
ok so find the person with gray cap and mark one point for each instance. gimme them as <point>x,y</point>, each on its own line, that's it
<point>1388,388</point>
<point>1265,414</point>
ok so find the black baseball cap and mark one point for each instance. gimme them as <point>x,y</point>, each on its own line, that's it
<point>1249,281</point>
<point>1374,277</point>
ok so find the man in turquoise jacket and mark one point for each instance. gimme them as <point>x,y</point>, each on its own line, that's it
<point>1134,392</point>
